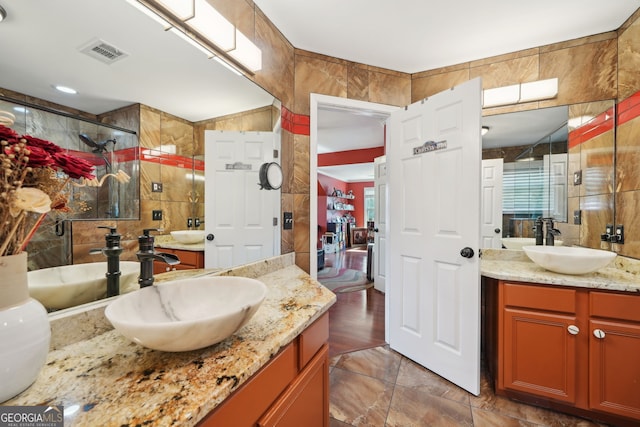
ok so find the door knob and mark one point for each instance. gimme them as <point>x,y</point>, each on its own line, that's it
<point>210,237</point>
<point>375,229</point>
<point>497,230</point>
<point>467,252</point>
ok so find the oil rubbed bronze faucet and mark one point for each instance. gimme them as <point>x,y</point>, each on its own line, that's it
<point>146,255</point>
<point>551,232</point>
<point>112,251</point>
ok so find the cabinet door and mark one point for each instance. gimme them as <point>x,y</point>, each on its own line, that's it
<point>306,401</point>
<point>539,354</point>
<point>614,371</point>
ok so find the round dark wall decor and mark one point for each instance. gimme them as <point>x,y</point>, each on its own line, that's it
<point>270,176</point>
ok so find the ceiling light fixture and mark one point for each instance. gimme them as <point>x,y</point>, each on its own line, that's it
<point>484,130</point>
<point>518,93</point>
<point>199,21</point>
<point>66,89</point>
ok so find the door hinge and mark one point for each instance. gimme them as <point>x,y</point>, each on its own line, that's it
<point>275,221</point>
<point>275,154</point>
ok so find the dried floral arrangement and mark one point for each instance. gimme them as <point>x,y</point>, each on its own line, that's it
<point>33,175</point>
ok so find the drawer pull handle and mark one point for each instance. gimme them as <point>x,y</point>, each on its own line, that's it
<point>598,333</point>
<point>573,329</point>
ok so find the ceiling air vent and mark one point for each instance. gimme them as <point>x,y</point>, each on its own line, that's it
<point>103,51</point>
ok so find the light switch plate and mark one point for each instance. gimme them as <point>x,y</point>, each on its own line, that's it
<point>156,187</point>
<point>156,215</point>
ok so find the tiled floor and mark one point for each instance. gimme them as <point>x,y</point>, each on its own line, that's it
<point>379,387</point>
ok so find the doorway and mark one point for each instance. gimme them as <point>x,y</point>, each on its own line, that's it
<point>344,108</point>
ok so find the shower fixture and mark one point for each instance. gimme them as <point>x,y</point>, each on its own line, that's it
<point>98,147</point>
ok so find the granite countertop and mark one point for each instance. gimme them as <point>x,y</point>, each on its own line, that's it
<point>621,275</point>
<point>104,379</point>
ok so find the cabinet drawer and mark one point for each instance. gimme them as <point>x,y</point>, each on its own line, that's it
<point>247,404</point>
<point>540,297</point>
<point>615,306</point>
<point>313,338</point>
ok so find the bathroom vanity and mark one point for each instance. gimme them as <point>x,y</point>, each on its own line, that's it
<point>272,372</point>
<point>191,255</point>
<point>569,343</point>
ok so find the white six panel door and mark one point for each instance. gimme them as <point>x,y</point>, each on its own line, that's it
<point>237,212</point>
<point>434,213</point>
<point>491,219</point>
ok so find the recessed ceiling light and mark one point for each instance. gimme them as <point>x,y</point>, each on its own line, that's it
<point>3,14</point>
<point>66,89</point>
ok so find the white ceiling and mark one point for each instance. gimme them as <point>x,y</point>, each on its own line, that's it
<point>39,44</point>
<point>40,40</point>
<point>419,35</point>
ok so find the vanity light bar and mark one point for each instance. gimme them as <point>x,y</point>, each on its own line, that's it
<point>523,92</point>
<point>206,29</point>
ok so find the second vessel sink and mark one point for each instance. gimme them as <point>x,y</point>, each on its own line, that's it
<point>188,236</point>
<point>518,243</point>
<point>70,285</point>
<point>569,260</point>
<point>187,314</point>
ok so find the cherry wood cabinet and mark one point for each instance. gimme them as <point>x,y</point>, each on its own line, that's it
<point>188,260</point>
<point>290,390</point>
<point>569,349</point>
<point>614,353</point>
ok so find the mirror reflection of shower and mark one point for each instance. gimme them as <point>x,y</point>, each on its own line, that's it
<point>100,148</point>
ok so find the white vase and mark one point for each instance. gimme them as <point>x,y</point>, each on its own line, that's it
<point>24,329</point>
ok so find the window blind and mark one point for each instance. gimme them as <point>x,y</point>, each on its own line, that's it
<point>523,188</point>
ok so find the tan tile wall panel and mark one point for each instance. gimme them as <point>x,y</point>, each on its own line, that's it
<point>149,172</point>
<point>176,135</point>
<point>585,73</point>
<point>628,156</point>
<point>596,162</point>
<point>627,208</point>
<point>357,82</point>
<point>507,72</point>
<point>149,127</point>
<point>278,61</point>
<point>176,184</point>
<point>424,87</point>
<point>287,161</point>
<point>301,173</point>
<point>573,166</point>
<point>239,13</point>
<point>390,89</point>
<point>317,75</point>
<point>287,242</point>
<point>629,60</point>
<point>597,212</point>
<point>301,229</point>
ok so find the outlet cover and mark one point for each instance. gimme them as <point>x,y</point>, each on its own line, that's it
<point>287,223</point>
<point>156,215</point>
<point>156,187</point>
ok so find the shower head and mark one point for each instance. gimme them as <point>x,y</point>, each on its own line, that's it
<point>98,147</point>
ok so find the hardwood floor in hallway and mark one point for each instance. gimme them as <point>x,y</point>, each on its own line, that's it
<point>356,320</point>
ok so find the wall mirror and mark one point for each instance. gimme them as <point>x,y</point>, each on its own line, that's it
<point>556,162</point>
<point>156,69</point>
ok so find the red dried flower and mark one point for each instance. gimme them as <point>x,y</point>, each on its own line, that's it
<point>8,134</point>
<point>49,147</point>
<point>39,158</point>
<point>74,166</point>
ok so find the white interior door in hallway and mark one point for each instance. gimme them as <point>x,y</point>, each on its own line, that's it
<point>491,213</point>
<point>238,214</point>
<point>433,271</point>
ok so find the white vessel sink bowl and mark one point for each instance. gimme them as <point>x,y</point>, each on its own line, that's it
<point>187,314</point>
<point>71,285</point>
<point>518,242</point>
<point>188,236</point>
<point>569,260</point>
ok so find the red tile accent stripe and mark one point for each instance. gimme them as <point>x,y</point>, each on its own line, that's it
<point>156,156</point>
<point>298,124</point>
<point>597,126</point>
